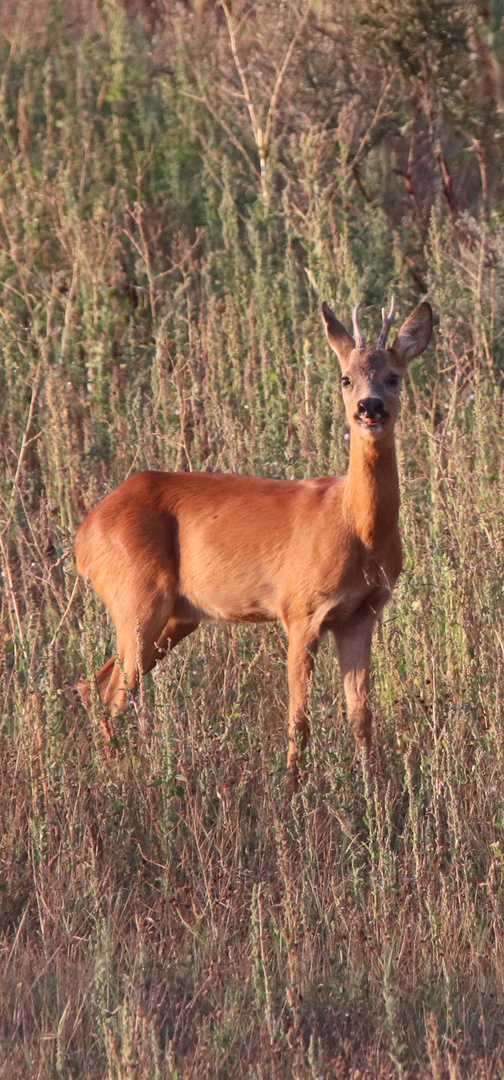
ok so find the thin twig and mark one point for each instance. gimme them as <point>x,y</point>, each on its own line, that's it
<point>25,442</point>
<point>386,88</point>
<point>65,613</point>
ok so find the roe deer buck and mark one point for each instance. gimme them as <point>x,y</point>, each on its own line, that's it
<point>166,550</point>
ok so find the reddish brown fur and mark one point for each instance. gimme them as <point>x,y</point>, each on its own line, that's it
<point>166,550</point>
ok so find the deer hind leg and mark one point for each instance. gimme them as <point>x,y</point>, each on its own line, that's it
<point>82,689</point>
<point>353,643</point>
<point>136,656</point>
<point>300,661</point>
<point>139,647</point>
<point>141,642</point>
<point>175,631</point>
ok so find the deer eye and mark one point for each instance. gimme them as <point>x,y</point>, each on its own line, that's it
<point>346,380</point>
<point>393,380</point>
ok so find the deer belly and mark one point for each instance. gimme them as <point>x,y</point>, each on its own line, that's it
<point>232,600</point>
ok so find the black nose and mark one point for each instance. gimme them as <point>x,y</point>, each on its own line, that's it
<point>372,407</point>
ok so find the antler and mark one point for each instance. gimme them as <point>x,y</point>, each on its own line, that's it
<point>358,335</point>
<point>387,323</point>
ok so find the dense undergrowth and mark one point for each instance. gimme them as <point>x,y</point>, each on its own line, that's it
<point>180,188</point>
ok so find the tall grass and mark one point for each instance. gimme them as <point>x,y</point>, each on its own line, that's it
<point>168,912</point>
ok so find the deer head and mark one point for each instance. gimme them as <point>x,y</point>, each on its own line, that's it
<point>371,375</point>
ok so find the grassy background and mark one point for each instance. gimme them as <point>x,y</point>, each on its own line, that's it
<point>180,188</point>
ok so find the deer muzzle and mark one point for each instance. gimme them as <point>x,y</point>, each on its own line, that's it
<point>371,412</point>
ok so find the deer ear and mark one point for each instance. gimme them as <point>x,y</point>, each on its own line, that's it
<point>414,335</point>
<point>338,338</point>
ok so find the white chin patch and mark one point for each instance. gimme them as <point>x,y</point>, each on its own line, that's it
<point>371,429</point>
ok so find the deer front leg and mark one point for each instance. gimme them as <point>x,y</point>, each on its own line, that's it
<point>353,643</point>
<point>300,661</point>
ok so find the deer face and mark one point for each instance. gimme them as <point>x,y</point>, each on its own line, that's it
<point>370,384</point>
<point>371,376</point>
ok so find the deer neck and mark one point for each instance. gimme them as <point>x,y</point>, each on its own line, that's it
<point>371,494</point>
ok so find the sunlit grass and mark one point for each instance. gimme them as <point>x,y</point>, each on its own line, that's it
<point>168,911</point>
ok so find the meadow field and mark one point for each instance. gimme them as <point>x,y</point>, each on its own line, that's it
<point>181,186</point>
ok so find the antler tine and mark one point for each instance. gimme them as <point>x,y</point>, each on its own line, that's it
<point>358,335</point>
<point>387,323</point>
